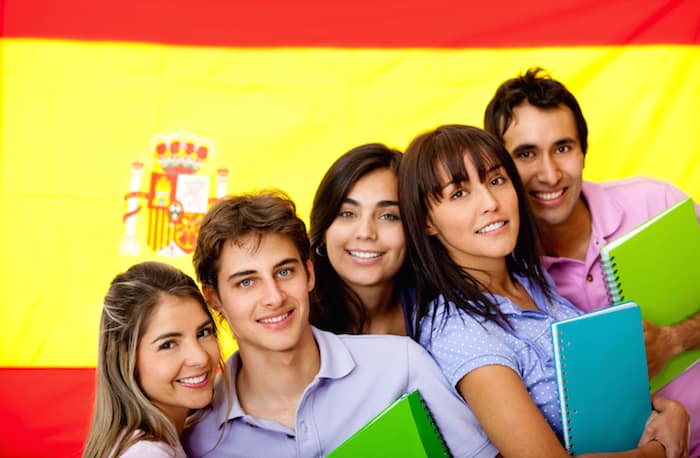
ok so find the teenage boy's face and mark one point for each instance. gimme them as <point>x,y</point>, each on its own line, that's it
<point>545,147</point>
<point>264,292</point>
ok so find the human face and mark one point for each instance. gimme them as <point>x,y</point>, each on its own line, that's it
<point>264,293</point>
<point>365,243</point>
<point>177,357</point>
<point>477,222</point>
<point>545,146</point>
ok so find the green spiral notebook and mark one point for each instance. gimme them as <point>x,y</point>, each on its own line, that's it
<point>405,428</point>
<point>656,265</point>
<point>601,370</point>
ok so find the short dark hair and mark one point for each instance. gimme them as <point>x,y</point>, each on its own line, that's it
<point>235,217</point>
<point>336,307</point>
<point>538,89</point>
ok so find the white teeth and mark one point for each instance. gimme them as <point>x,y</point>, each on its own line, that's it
<point>365,254</point>
<point>275,319</point>
<point>193,380</point>
<point>549,195</point>
<point>491,227</point>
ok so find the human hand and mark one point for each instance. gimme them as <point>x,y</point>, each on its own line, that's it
<point>669,424</point>
<point>660,345</point>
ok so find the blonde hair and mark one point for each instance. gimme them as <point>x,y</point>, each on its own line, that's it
<point>121,407</point>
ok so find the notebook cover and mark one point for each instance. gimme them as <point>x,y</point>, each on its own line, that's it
<point>656,265</point>
<point>601,372</point>
<point>405,428</point>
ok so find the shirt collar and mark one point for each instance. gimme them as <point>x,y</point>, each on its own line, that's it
<point>606,216</point>
<point>336,362</point>
<point>606,212</point>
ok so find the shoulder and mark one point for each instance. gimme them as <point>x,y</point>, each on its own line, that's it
<point>152,449</point>
<point>632,188</point>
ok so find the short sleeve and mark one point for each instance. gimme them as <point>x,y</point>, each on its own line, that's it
<point>464,344</point>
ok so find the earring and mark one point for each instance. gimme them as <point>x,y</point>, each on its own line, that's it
<point>318,251</point>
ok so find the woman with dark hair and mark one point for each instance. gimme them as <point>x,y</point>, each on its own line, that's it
<point>363,282</point>
<point>484,304</point>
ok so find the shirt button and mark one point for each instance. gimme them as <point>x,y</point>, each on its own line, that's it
<point>589,277</point>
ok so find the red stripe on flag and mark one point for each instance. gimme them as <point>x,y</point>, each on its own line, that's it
<point>45,412</point>
<point>360,23</point>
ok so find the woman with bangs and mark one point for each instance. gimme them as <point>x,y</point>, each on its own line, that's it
<point>484,304</point>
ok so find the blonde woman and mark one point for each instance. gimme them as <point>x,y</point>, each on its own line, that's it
<point>157,361</point>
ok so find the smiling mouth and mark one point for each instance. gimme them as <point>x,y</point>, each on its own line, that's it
<point>193,380</point>
<point>365,254</point>
<point>549,195</point>
<point>491,227</point>
<point>275,319</point>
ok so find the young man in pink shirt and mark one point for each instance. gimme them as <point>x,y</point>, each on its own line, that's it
<point>543,128</point>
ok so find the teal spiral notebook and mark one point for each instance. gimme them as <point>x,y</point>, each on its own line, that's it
<point>405,428</point>
<point>602,380</point>
<point>656,265</point>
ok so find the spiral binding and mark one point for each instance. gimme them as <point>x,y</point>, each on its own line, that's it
<point>567,413</point>
<point>446,451</point>
<point>612,281</point>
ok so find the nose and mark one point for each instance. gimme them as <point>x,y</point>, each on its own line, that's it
<point>196,354</point>
<point>366,229</point>
<point>548,171</point>
<point>488,202</point>
<point>273,295</point>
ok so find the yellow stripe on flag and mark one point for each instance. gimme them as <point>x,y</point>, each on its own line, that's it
<point>76,115</point>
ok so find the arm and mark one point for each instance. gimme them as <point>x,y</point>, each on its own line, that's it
<point>513,422</point>
<point>665,342</point>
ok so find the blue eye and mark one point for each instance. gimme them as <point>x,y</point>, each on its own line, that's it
<point>284,272</point>
<point>245,283</point>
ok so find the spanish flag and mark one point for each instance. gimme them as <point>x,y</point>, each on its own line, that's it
<point>121,121</point>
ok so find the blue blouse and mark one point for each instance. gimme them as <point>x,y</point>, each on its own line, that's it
<point>468,342</point>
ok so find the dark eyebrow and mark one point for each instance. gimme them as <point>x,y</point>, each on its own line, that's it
<point>564,141</point>
<point>287,261</point>
<point>523,147</point>
<point>381,203</point>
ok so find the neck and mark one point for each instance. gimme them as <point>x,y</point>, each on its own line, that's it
<point>570,238</point>
<point>498,281</point>
<point>269,384</point>
<point>383,308</point>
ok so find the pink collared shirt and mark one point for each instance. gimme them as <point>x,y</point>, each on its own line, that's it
<point>616,207</point>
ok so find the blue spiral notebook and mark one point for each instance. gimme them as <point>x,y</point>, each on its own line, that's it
<point>602,379</point>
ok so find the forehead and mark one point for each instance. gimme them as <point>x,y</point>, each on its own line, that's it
<point>174,313</point>
<point>375,185</point>
<point>540,125</point>
<point>256,254</point>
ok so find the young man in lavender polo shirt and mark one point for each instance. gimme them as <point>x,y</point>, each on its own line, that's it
<point>544,130</point>
<point>298,391</point>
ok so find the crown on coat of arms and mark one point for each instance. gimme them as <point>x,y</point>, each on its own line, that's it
<point>180,155</point>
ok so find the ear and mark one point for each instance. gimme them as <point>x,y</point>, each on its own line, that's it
<point>212,298</point>
<point>311,274</point>
<point>429,228</point>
